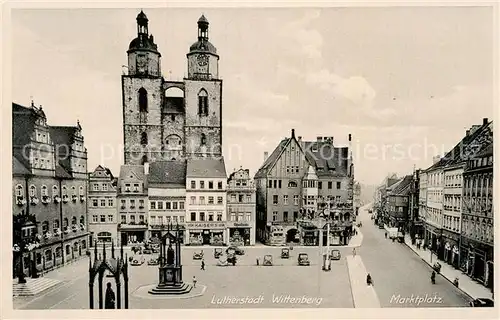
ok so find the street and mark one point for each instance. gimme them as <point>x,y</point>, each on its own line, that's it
<point>399,274</point>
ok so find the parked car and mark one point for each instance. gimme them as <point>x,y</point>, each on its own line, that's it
<point>236,250</point>
<point>482,302</point>
<point>153,262</point>
<point>303,259</point>
<point>198,255</point>
<point>268,260</point>
<point>285,253</point>
<point>147,251</point>
<point>335,255</point>
<point>137,261</point>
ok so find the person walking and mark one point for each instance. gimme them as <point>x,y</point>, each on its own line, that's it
<point>194,282</point>
<point>202,264</point>
<point>386,234</point>
<point>353,252</point>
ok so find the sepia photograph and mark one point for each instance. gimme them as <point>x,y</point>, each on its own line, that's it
<point>252,157</point>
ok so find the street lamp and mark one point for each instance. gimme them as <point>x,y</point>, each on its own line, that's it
<point>25,239</point>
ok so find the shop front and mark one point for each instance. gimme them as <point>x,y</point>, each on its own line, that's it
<point>433,240</point>
<point>275,235</point>
<point>205,233</point>
<point>132,234</point>
<point>451,248</point>
<point>157,231</point>
<point>477,261</point>
<point>239,233</point>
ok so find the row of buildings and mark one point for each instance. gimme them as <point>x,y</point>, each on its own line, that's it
<point>449,205</point>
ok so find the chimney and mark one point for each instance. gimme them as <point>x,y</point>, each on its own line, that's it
<point>266,154</point>
<point>319,139</point>
<point>467,132</point>
<point>293,133</point>
<point>350,137</point>
<point>299,138</point>
<point>485,121</point>
<point>146,168</point>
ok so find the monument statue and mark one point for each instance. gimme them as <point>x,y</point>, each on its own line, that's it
<point>109,300</point>
<point>170,255</point>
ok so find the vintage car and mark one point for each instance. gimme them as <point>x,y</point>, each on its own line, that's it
<point>335,255</point>
<point>147,251</point>
<point>482,303</point>
<point>236,250</point>
<point>155,248</point>
<point>153,262</point>
<point>303,259</point>
<point>198,255</point>
<point>137,249</point>
<point>268,260</point>
<point>285,253</point>
<point>217,253</point>
<point>137,261</point>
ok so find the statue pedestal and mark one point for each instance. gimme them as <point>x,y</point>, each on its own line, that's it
<point>171,281</point>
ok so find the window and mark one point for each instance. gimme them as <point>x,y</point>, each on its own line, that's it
<point>330,184</point>
<point>136,187</point>
<point>193,216</point>
<point>202,216</point>
<point>275,184</point>
<point>203,103</point>
<point>295,216</point>
<point>123,218</point>
<point>141,218</point>
<point>48,255</point>
<point>45,227</point>
<point>19,190</point>
<point>202,184</point>
<point>270,185</point>
<point>210,184</point>
<point>181,205</point>
<point>219,200</point>
<point>249,198</point>
<point>240,216</point>
<point>285,216</point>
<point>80,191</point>
<point>202,200</point>
<point>210,216</point>
<point>275,215</point>
<point>73,191</point>
<point>141,203</point>
<point>95,218</point>
<point>143,100</point>
<point>32,191</point>
<point>153,205</point>
<point>45,191</point>
<point>285,199</point>
<point>241,198</point>
<point>219,185</point>
<point>248,216</point>
<point>219,216</point>
<point>233,198</point>
<point>103,218</point>
<point>203,140</point>
<point>160,205</point>
<point>55,225</point>
<point>132,203</point>
<point>144,138</point>
<point>181,219</point>
<point>174,205</point>
<point>64,191</point>
<point>296,200</point>
<point>193,200</point>
<point>279,184</point>
<point>103,203</point>
<point>110,203</point>
<point>144,159</point>
<point>55,191</point>
<point>193,184</point>
<point>104,187</point>
<point>210,200</point>
<point>338,185</point>
<point>110,218</point>
<point>275,199</point>
<point>292,184</point>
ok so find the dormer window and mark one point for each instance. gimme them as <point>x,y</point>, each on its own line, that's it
<point>19,191</point>
<point>32,191</point>
<point>127,187</point>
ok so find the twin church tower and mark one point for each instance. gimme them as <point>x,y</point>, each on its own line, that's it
<point>171,120</point>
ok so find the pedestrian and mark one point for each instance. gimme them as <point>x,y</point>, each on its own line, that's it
<point>353,252</point>
<point>202,264</point>
<point>386,234</point>
<point>194,282</point>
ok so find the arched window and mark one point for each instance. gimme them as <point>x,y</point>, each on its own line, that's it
<point>203,139</point>
<point>19,191</point>
<point>55,191</point>
<point>143,100</point>
<point>292,184</point>
<point>144,159</point>
<point>45,191</point>
<point>64,191</point>
<point>55,225</point>
<point>65,223</point>
<point>73,191</point>
<point>82,219</point>
<point>203,102</point>
<point>45,227</point>
<point>104,236</point>
<point>73,221</point>
<point>80,190</point>
<point>32,191</point>
<point>144,138</point>
<point>48,255</point>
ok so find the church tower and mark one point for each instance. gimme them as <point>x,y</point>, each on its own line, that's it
<point>142,98</point>
<point>203,98</point>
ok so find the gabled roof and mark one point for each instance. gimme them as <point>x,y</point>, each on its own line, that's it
<point>134,171</point>
<point>486,151</point>
<point>23,123</point>
<point>18,168</point>
<point>245,172</point>
<point>269,162</point>
<point>63,135</point>
<point>403,186</point>
<point>206,168</point>
<point>456,155</point>
<point>168,172</point>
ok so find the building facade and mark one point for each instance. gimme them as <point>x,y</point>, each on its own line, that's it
<point>302,180</point>
<point>167,196</point>
<point>477,232</point>
<point>166,120</point>
<point>452,205</point>
<point>132,200</point>
<point>241,208</point>
<point>206,218</point>
<point>398,204</point>
<point>103,222</point>
<point>49,182</point>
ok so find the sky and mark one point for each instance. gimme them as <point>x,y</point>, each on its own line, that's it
<point>406,82</point>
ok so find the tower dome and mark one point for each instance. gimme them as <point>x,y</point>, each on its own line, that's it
<point>144,41</point>
<point>203,45</point>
